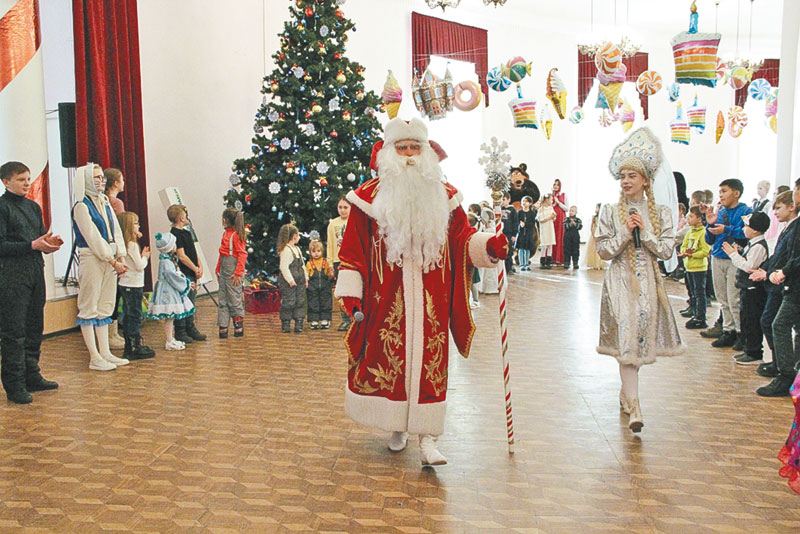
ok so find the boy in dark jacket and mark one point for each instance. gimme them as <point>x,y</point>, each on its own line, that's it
<point>572,238</point>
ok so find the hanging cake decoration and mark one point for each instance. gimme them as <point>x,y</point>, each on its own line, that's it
<point>557,93</point>
<point>627,116</point>
<point>392,95</point>
<point>679,128</point>
<point>697,116</point>
<point>523,109</point>
<point>737,120</point>
<point>674,92</point>
<point>649,83</point>
<point>576,115</point>
<point>433,97</point>
<point>695,54</point>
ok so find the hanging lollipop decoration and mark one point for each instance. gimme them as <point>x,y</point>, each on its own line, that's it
<point>722,71</point>
<point>608,59</point>
<point>759,89</point>
<point>679,128</point>
<point>697,116</point>
<point>739,77</point>
<point>576,115</point>
<point>649,83</point>
<point>737,120</point>
<point>771,109</point>
<point>497,81</point>
<point>695,54</point>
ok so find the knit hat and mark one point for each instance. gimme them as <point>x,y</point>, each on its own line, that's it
<point>165,243</point>
<point>758,221</point>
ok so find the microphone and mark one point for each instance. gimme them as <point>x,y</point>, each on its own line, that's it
<point>637,240</point>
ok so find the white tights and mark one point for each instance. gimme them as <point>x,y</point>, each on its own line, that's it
<point>629,374</point>
<point>169,331</point>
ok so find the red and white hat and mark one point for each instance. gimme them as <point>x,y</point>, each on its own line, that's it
<point>399,129</point>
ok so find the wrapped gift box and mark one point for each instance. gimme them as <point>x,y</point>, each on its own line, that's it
<point>259,301</point>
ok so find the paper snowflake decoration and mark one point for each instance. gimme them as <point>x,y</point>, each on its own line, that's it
<point>317,195</point>
<point>273,116</point>
<point>496,164</point>
<point>333,104</point>
<point>238,205</point>
<point>323,31</point>
<point>274,188</point>
<point>235,180</point>
<point>286,143</point>
<point>298,72</point>
<point>310,129</point>
<point>313,234</point>
<point>322,167</point>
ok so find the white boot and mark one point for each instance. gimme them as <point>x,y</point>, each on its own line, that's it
<point>96,362</point>
<point>636,422</point>
<point>398,441</point>
<point>115,341</point>
<point>428,453</point>
<point>102,347</point>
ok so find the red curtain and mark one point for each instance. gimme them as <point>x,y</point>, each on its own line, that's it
<point>769,71</point>
<point>432,36</point>
<point>636,64</point>
<point>108,91</point>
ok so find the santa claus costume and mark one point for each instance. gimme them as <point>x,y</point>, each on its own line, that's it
<point>405,261</point>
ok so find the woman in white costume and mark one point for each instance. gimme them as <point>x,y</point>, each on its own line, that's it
<point>636,320</point>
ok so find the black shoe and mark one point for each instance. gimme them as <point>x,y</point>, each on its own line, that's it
<point>768,370</point>
<point>779,387</point>
<point>223,332</point>
<point>727,339</point>
<point>738,345</point>
<point>298,325</point>
<point>183,337</point>
<point>687,312</point>
<point>696,324</point>
<point>195,334</point>
<point>745,359</point>
<point>286,326</point>
<point>19,396</point>
<point>134,350</point>
<point>38,383</point>
<point>713,332</point>
<point>238,327</point>
<point>686,309</point>
<point>344,325</point>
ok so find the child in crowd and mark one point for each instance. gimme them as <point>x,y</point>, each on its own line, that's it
<point>131,285</point>
<point>694,250</point>
<point>753,294</point>
<point>547,234</point>
<point>292,280</point>
<point>170,298</point>
<point>185,329</point>
<point>510,226</point>
<point>572,238</point>
<point>488,276</point>
<point>785,214</point>
<point>775,226</point>
<point>593,260</point>
<point>115,184</point>
<point>474,294</point>
<point>230,270</point>
<point>727,225</point>
<point>101,249</point>
<point>335,234</point>
<point>475,209</point>
<point>526,236</point>
<point>681,217</point>
<point>320,287</point>
<point>762,203</point>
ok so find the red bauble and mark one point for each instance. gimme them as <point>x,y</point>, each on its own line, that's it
<point>323,182</point>
<point>309,12</point>
<point>247,198</point>
<point>337,55</point>
<point>339,14</point>
<point>334,134</point>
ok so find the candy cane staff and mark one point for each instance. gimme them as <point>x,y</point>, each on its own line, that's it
<point>406,261</point>
<point>636,320</point>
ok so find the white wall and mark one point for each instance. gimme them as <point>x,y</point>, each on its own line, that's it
<point>202,64</point>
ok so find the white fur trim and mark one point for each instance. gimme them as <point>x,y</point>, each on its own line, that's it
<point>456,200</point>
<point>660,353</point>
<point>398,129</point>
<point>350,284</point>
<point>477,251</point>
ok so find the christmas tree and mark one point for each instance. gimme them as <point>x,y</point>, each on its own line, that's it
<point>313,133</point>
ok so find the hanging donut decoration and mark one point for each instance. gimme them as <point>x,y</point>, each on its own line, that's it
<point>473,94</point>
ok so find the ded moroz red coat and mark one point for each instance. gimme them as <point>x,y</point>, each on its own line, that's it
<point>398,355</point>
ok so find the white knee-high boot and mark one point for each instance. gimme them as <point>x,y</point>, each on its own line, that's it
<point>105,351</point>
<point>96,362</point>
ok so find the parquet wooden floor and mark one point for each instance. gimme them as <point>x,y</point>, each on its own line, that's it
<point>249,435</point>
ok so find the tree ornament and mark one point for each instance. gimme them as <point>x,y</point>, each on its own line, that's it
<point>274,87</point>
<point>340,77</point>
<point>316,108</point>
<point>324,31</point>
<point>346,115</point>
<point>334,104</point>
<point>274,187</point>
<point>359,95</point>
<point>322,167</point>
<point>234,179</point>
<point>298,71</point>
<point>351,177</point>
<point>337,55</point>
<point>334,134</point>
<point>238,205</point>
<point>286,143</point>
<point>309,12</point>
<point>321,49</point>
<point>307,78</point>
<point>323,181</point>
<point>272,148</point>
<point>300,27</point>
<point>273,116</point>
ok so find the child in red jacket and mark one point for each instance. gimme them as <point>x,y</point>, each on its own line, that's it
<point>230,270</point>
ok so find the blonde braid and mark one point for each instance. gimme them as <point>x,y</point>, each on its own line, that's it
<point>655,221</point>
<point>622,211</point>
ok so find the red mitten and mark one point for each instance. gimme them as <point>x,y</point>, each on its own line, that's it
<point>497,247</point>
<point>351,305</point>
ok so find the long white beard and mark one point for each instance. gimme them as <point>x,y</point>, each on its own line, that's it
<point>412,207</point>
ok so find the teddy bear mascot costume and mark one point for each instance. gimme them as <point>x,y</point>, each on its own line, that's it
<point>406,261</point>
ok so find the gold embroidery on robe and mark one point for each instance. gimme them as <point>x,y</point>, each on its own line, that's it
<point>436,345</point>
<point>392,340</point>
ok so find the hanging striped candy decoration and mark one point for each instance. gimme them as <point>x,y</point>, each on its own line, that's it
<point>608,59</point>
<point>22,95</point>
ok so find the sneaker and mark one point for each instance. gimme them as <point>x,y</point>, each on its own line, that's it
<point>696,324</point>
<point>738,345</point>
<point>746,359</point>
<point>174,345</point>
<point>713,332</point>
<point>779,387</point>
<point>474,305</point>
<point>727,339</point>
<point>325,325</point>
<point>314,325</point>
<point>686,310</point>
<point>768,370</point>
<point>344,325</point>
